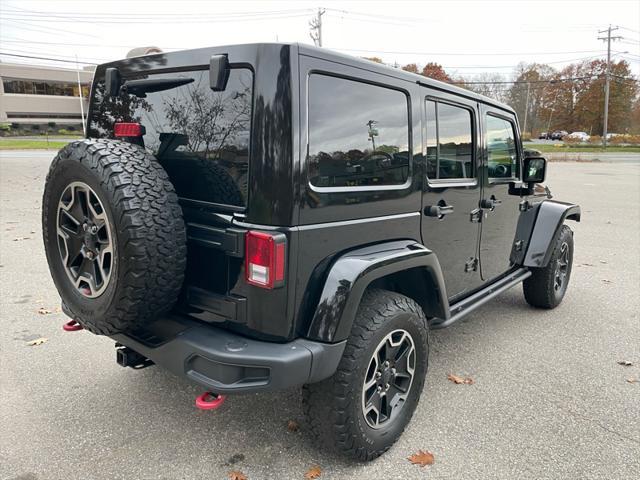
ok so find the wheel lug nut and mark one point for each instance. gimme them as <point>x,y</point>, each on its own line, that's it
<point>379,389</point>
<point>94,229</point>
<point>90,255</point>
<point>386,387</point>
<point>378,374</point>
<point>386,364</point>
<point>393,370</point>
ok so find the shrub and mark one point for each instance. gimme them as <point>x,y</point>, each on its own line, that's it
<point>5,127</point>
<point>571,140</point>
<point>526,137</point>
<point>51,124</point>
<point>35,127</point>
<point>625,139</point>
<point>595,140</point>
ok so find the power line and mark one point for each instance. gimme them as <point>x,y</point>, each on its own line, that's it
<point>44,58</point>
<point>465,54</point>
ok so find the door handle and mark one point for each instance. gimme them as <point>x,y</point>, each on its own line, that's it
<point>438,210</point>
<point>490,203</point>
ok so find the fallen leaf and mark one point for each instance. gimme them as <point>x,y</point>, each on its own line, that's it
<point>293,426</point>
<point>587,264</point>
<point>460,380</point>
<point>313,472</point>
<point>633,380</point>
<point>422,458</point>
<point>606,281</point>
<point>19,239</point>
<point>44,311</point>
<point>603,261</point>
<point>236,475</point>
<point>37,341</point>
<point>625,363</point>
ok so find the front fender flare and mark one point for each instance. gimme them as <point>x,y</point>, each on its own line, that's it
<point>351,274</point>
<point>550,217</point>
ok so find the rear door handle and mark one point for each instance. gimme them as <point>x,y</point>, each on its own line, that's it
<point>438,210</point>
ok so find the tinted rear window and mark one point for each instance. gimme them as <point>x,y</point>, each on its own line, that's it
<point>358,134</point>
<point>201,137</point>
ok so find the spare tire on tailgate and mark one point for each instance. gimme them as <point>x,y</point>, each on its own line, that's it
<point>114,235</point>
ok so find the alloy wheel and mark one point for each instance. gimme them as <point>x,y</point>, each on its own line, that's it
<point>85,239</point>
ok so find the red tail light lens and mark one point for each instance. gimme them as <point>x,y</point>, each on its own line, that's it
<point>264,259</point>
<point>127,130</point>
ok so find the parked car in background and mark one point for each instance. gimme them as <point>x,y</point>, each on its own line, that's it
<point>582,136</point>
<point>559,134</point>
<point>544,136</point>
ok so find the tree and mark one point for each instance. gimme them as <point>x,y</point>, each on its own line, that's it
<point>489,86</point>
<point>435,71</point>
<point>374,59</point>
<point>412,67</point>
<point>527,96</point>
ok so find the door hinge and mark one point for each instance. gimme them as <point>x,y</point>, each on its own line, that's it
<point>476,216</point>
<point>471,265</point>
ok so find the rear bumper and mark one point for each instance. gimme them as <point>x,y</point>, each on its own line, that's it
<point>225,362</point>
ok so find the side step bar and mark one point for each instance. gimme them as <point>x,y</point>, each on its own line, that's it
<point>469,304</point>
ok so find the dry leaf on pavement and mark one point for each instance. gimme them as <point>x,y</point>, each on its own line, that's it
<point>422,458</point>
<point>625,363</point>
<point>44,311</point>
<point>19,239</point>
<point>460,380</point>
<point>313,472</point>
<point>237,475</point>
<point>37,341</point>
<point>293,426</point>
<point>633,380</point>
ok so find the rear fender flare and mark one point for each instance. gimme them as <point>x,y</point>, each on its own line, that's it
<point>351,274</point>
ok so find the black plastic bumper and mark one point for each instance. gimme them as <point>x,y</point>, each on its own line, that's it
<point>225,362</point>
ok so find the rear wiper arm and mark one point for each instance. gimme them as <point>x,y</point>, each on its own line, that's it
<point>140,88</point>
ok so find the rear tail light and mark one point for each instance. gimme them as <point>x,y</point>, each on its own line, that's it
<point>265,258</point>
<point>121,129</point>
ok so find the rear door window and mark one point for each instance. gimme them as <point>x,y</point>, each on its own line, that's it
<point>358,134</point>
<point>449,141</point>
<point>201,137</point>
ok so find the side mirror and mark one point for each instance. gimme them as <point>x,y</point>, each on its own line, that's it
<point>112,82</point>
<point>535,169</point>
<point>218,72</point>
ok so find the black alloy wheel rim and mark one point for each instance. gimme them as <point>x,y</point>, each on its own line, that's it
<point>562,268</point>
<point>85,239</point>
<point>388,378</point>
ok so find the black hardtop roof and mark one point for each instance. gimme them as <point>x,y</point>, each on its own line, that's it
<point>331,55</point>
<point>155,61</point>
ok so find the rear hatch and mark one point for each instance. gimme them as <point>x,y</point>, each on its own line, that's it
<point>202,139</point>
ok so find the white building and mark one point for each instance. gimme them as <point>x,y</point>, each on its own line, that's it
<point>32,94</point>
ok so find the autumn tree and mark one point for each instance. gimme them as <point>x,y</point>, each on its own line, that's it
<point>373,59</point>
<point>528,94</point>
<point>489,85</point>
<point>435,71</point>
<point>412,67</point>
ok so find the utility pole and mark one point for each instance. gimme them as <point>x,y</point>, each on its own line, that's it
<point>84,123</point>
<point>608,39</point>
<point>526,109</point>
<point>316,28</point>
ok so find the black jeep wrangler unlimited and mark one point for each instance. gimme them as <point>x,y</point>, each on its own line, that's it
<point>265,216</point>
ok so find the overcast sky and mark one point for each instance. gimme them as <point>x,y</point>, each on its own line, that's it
<point>466,37</point>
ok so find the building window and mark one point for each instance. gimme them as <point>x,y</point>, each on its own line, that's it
<point>358,134</point>
<point>43,87</point>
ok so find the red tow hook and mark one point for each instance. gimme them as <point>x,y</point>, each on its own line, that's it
<point>72,326</point>
<point>210,401</point>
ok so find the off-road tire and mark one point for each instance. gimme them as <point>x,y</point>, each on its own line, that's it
<point>540,288</point>
<point>148,232</point>
<point>333,407</point>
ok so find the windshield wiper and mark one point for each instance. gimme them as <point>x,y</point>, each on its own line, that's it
<point>140,88</point>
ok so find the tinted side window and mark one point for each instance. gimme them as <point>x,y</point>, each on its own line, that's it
<point>358,134</point>
<point>449,141</point>
<point>502,153</point>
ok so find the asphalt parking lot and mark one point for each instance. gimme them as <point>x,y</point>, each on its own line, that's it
<point>550,400</point>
